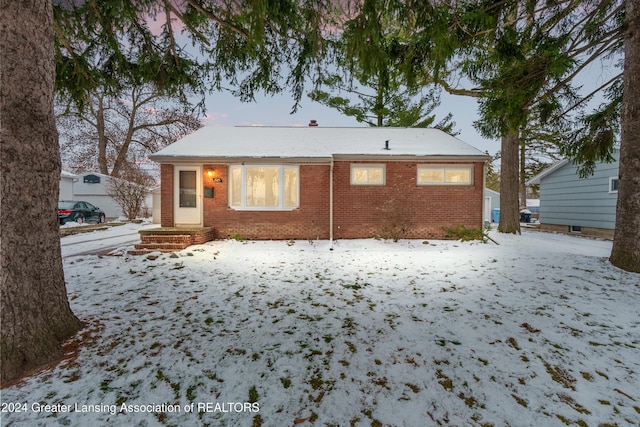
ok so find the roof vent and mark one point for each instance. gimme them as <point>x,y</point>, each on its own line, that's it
<point>313,123</point>
<point>386,145</point>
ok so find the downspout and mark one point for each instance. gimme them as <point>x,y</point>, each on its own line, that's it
<point>331,205</point>
<point>484,185</point>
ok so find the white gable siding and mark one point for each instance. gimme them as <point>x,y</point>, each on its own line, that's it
<point>66,185</point>
<point>565,199</point>
<point>96,194</point>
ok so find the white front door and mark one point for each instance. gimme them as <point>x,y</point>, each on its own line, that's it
<point>188,195</point>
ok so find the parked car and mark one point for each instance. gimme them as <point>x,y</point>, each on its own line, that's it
<point>79,211</point>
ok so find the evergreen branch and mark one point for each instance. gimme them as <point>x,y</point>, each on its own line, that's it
<point>590,95</point>
<point>196,5</point>
<point>476,92</point>
<point>194,31</point>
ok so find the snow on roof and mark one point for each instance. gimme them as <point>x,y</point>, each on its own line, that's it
<point>314,142</point>
<point>65,174</point>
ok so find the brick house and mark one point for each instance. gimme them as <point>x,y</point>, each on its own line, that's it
<point>321,183</point>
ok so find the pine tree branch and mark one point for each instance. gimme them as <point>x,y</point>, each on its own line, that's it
<point>196,5</point>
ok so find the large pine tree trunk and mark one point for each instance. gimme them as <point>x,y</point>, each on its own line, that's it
<point>509,188</point>
<point>626,243</point>
<point>34,308</point>
<point>523,174</point>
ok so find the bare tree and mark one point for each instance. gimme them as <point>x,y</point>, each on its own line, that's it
<point>112,131</point>
<point>130,191</point>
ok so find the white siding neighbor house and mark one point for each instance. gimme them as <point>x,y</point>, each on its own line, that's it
<point>66,185</point>
<point>491,202</point>
<point>570,204</point>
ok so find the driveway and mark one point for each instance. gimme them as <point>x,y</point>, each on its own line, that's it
<point>101,241</point>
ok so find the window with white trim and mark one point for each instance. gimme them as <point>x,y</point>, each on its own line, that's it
<point>258,187</point>
<point>445,175</point>
<point>362,174</point>
<point>613,184</point>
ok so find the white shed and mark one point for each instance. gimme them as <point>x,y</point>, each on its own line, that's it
<point>66,185</point>
<point>92,187</point>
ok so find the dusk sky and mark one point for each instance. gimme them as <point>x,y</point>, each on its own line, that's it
<point>225,110</point>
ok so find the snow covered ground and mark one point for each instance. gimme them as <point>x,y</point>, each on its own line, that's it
<point>538,331</point>
<point>100,241</point>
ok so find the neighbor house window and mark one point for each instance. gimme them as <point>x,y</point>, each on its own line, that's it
<point>445,175</point>
<point>367,175</point>
<point>613,184</point>
<point>91,179</point>
<point>263,187</point>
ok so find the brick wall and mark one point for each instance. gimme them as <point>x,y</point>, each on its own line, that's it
<point>166,195</point>
<point>359,211</point>
<point>309,221</point>
<point>421,211</point>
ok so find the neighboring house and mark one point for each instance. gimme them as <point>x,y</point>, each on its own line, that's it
<point>66,185</point>
<point>155,194</point>
<point>569,204</point>
<point>321,183</point>
<point>491,202</point>
<point>92,187</point>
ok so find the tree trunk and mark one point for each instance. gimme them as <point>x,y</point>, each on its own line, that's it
<point>102,137</point>
<point>509,212</point>
<point>523,173</point>
<point>626,242</point>
<point>34,308</point>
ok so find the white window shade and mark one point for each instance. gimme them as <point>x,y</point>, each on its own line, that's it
<point>263,187</point>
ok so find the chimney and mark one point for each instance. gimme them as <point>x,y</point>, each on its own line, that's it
<point>313,123</point>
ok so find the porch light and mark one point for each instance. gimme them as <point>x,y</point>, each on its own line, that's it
<point>210,172</point>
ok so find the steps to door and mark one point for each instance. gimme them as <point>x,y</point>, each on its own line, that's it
<point>171,239</point>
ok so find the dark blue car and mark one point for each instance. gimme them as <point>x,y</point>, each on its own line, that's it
<point>80,212</point>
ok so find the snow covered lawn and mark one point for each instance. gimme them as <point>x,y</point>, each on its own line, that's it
<point>538,331</point>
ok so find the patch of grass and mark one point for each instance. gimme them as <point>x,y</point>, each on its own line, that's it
<point>444,381</point>
<point>564,398</point>
<point>237,237</point>
<point>253,395</point>
<point>513,343</point>
<point>470,401</point>
<point>587,376</point>
<point>208,320</point>
<point>351,346</point>
<point>191,396</point>
<point>382,382</point>
<point>559,375</point>
<point>286,382</point>
<point>568,422</point>
<point>520,400</point>
<point>414,388</point>
<point>464,234</point>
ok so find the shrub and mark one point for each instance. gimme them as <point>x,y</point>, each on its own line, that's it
<point>461,232</point>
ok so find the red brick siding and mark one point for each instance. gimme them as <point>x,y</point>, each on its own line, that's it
<point>309,221</point>
<point>359,211</point>
<point>362,211</point>
<point>166,195</point>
